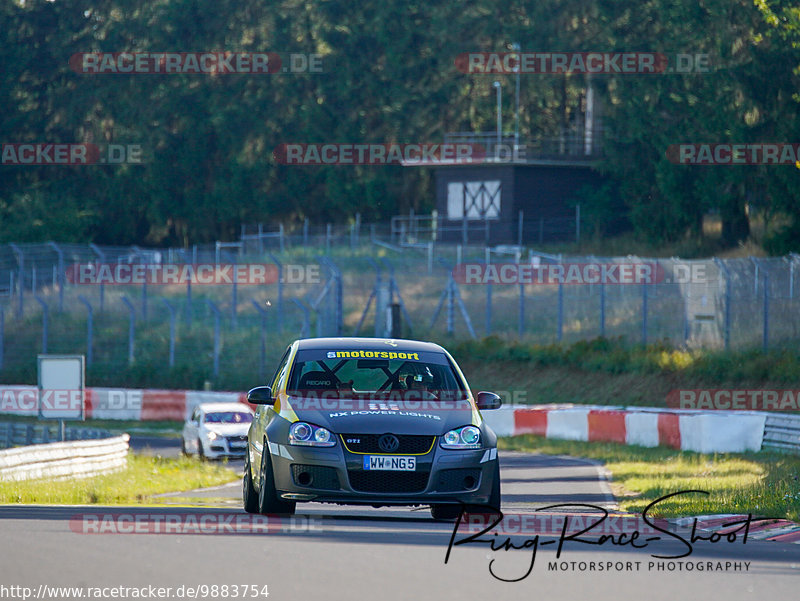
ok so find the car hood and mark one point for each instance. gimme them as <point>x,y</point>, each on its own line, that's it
<point>395,420</point>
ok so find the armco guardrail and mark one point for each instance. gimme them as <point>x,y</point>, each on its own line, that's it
<point>17,434</point>
<point>78,459</point>
<point>782,433</point>
<point>704,432</point>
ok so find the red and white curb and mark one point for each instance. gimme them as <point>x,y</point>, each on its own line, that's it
<point>704,432</point>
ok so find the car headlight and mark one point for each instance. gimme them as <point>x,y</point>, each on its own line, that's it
<point>304,434</point>
<point>212,435</point>
<point>466,437</point>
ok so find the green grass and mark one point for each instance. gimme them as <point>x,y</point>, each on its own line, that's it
<point>765,484</point>
<point>609,372</point>
<point>616,356</point>
<point>603,371</point>
<point>144,477</point>
<point>165,428</point>
<point>690,247</point>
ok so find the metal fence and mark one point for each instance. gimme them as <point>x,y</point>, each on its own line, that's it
<point>61,460</point>
<point>413,230</point>
<point>577,145</point>
<point>782,433</point>
<point>17,434</point>
<point>362,272</point>
<point>43,310</point>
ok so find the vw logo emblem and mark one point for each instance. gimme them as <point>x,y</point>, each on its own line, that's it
<point>388,443</point>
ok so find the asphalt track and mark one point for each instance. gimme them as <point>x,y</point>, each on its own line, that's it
<point>332,552</point>
<point>156,445</point>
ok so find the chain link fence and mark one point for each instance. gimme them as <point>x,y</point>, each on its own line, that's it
<point>362,279</point>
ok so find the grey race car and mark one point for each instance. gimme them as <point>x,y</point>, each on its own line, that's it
<point>369,421</point>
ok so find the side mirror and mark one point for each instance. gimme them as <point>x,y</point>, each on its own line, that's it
<point>260,395</point>
<point>488,400</point>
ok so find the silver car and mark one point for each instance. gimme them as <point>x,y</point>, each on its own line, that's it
<point>216,430</point>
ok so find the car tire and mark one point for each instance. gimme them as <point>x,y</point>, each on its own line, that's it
<point>445,512</point>
<point>268,500</point>
<point>249,494</point>
<point>200,453</point>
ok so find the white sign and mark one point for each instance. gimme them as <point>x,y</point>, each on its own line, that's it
<point>61,387</point>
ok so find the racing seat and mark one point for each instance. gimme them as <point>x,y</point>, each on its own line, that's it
<point>316,380</point>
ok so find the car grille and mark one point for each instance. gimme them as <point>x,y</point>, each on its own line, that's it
<point>458,479</point>
<point>388,481</point>
<point>315,476</point>
<point>410,444</point>
<point>237,443</point>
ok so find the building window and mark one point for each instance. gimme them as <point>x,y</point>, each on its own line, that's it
<point>473,200</point>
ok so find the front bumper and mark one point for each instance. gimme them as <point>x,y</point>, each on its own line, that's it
<point>336,475</point>
<point>225,446</point>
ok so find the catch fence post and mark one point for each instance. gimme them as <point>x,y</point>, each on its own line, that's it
<point>765,341</point>
<point>560,333</point>
<point>488,294</point>
<point>263,340</point>
<point>89,328</point>
<point>21,279</point>
<point>171,310</point>
<point>131,328</point>
<point>602,310</point>
<point>644,314</point>
<point>45,321</point>
<point>215,351</point>
<point>450,305</point>
<point>60,254</point>
<point>280,289</point>
<point>727,316</point>
<point>102,257</point>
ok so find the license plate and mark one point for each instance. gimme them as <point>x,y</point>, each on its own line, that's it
<point>390,463</point>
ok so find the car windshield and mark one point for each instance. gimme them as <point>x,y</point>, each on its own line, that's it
<point>375,374</point>
<point>228,417</point>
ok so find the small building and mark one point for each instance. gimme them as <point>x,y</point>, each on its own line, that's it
<point>517,193</point>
